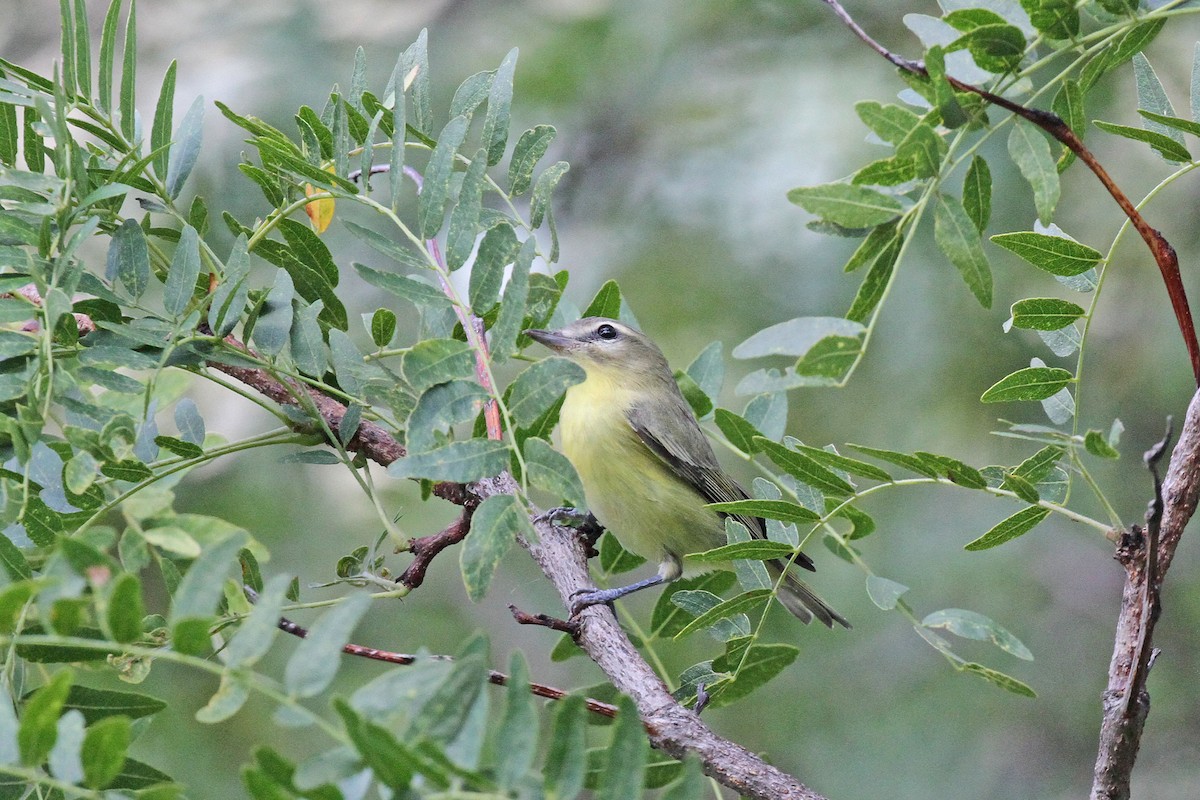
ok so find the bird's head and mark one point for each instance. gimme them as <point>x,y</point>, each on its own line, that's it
<point>605,345</point>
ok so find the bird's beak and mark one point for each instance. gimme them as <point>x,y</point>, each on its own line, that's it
<point>552,339</point>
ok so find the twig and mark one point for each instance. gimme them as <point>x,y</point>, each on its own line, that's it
<point>426,548</point>
<point>1164,254</point>
<point>494,677</point>
<point>545,621</point>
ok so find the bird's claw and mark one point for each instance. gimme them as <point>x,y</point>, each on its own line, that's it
<point>586,598</point>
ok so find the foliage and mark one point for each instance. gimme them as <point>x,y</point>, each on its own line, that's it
<point>95,357</point>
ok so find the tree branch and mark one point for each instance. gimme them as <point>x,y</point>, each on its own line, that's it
<point>1162,251</point>
<point>1126,703</point>
<point>494,677</point>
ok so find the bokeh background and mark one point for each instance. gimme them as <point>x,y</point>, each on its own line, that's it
<point>685,122</point>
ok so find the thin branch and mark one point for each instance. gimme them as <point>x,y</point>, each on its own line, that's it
<point>494,677</point>
<point>1164,254</point>
<point>427,548</point>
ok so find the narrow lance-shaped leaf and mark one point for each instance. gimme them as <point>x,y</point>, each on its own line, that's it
<point>39,719</point>
<point>529,149</point>
<point>1031,383</point>
<point>185,148</point>
<point>958,237</point>
<point>1057,255</point>
<point>83,51</point>
<point>1152,97</point>
<point>464,219</point>
<point>67,38</point>
<point>129,76</point>
<point>566,762</point>
<point>273,328</point>
<point>436,188</point>
<point>184,272</point>
<point>160,131</point>
<point>129,258</point>
<point>1164,145</point>
<point>977,193</point>
<point>1044,313</point>
<point>1031,153</point>
<point>628,753</point>
<point>104,749</point>
<point>495,124</point>
<point>847,205</point>
<point>399,137</point>
<point>512,311</point>
<point>1069,105</point>
<point>463,462</point>
<point>519,726</point>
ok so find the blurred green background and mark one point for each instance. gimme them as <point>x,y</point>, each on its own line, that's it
<point>685,124</point>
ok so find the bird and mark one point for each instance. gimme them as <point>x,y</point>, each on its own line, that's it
<point>647,468</point>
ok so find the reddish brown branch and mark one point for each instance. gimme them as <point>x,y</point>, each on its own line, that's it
<point>1162,251</point>
<point>494,677</point>
<point>427,548</point>
<point>544,621</point>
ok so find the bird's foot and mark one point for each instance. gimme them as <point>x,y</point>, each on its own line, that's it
<point>586,598</point>
<point>583,522</point>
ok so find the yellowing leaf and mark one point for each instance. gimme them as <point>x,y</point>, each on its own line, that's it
<point>320,212</point>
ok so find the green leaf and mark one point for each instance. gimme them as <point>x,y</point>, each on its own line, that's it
<point>497,523</point>
<point>445,712</point>
<point>769,509</point>
<point>1096,444</point>
<point>497,249</point>
<point>436,189</point>
<point>1056,19</point>
<point>804,468</point>
<point>518,731</point>
<point>759,664</point>
<point>273,328</point>
<point>1031,153</point>
<point>232,693</point>
<point>995,47</point>
<point>886,172</point>
<point>438,408</point>
<point>315,662</point>
<point>753,550</point>
<point>668,618</point>
<point>1068,104</point>
<point>875,284</point>
<point>1185,125</point>
<point>977,193</point>
<point>883,592</point>
<point>1010,528</point>
<point>690,784</point>
<point>129,258</point>
<point>185,148</point>
<point>606,303</point>
<point>403,286</point>
<point>890,123</point>
<point>108,42</point>
<point>417,55</point>
<point>257,631</point>
<point>125,608</point>
<point>1164,145</point>
<point>98,704</point>
<point>744,603</point>
<point>846,205</point>
<point>1031,383</point>
<point>435,361</point>
<point>103,752</point>
<point>390,761</point>
<point>909,462</point>
<point>128,104</point>
<point>551,471</point>
<point>13,561</point>
<point>160,132</point>
<point>970,625</point>
<point>461,462</point>
<point>958,237</point>
<point>383,327</point>
<point>796,337</point>
<point>511,319</point>
<point>1153,98</point>
<point>565,764</point>
<point>737,430</point>
<point>308,346</point>
<point>529,149</point>
<point>495,124</point>
<point>39,719</point>
<point>229,299</point>
<point>200,589</point>
<point>1057,255</point>
<point>1005,682</point>
<point>538,388</point>
<point>628,753</point>
<point>924,149</point>
<point>464,219</point>
<point>184,271</point>
<point>1044,313</point>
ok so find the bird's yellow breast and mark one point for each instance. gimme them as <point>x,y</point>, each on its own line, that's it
<point>652,511</point>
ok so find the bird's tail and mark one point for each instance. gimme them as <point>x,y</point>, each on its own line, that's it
<point>803,602</point>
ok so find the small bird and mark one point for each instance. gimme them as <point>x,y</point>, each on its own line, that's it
<point>647,469</point>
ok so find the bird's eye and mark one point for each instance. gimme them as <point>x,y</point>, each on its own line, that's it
<point>606,331</point>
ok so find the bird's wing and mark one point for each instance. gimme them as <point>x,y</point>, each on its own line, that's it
<point>671,432</point>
